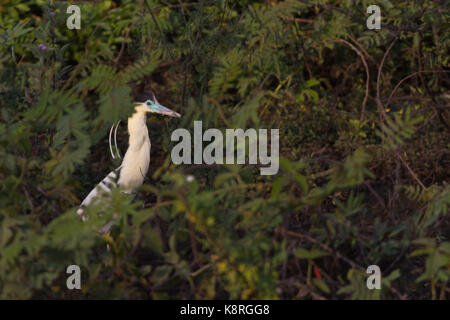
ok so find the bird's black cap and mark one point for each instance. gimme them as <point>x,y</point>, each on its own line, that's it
<point>145,96</point>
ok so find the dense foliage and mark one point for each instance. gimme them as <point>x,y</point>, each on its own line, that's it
<point>364,143</point>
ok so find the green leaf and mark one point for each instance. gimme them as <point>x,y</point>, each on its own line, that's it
<point>276,187</point>
<point>151,239</point>
<point>310,254</point>
<point>321,285</point>
<point>161,274</point>
<point>116,104</point>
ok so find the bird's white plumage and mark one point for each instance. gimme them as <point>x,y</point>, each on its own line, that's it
<point>131,173</point>
<point>137,158</point>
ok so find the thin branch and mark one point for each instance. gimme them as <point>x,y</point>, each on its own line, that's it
<point>363,107</point>
<point>377,196</point>
<point>410,171</point>
<point>122,47</point>
<point>408,77</point>
<point>378,100</point>
<point>325,247</point>
<point>434,103</point>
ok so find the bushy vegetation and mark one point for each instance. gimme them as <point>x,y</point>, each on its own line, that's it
<point>364,144</point>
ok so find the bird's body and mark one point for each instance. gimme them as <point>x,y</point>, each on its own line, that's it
<point>131,173</point>
<point>137,158</point>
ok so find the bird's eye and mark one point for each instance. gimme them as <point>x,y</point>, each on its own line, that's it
<point>148,103</point>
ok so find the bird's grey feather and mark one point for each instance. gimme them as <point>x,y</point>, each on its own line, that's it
<point>104,187</point>
<point>110,181</point>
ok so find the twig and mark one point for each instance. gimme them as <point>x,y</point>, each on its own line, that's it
<point>122,47</point>
<point>325,247</point>
<point>197,272</point>
<point>410,171</point>
<point>363,107</point>
<point>408,77</point>
<point>28,198</point>
<point>435,104</point>
<point>313,294</point>
<point>380,200</point>
<point>378,100</point>
<point>193,242</point>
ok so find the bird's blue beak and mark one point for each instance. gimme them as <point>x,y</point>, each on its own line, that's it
<point>155,107</point>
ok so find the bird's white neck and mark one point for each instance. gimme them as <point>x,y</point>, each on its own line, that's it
<point>137,128</point>
<point>137,158</point>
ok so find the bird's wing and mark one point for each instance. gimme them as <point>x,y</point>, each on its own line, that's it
<point>110,181</point>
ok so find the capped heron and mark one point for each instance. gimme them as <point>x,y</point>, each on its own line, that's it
<point>131,173</point>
